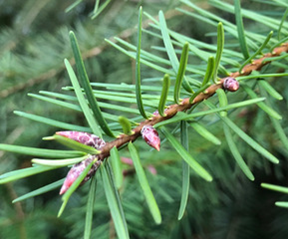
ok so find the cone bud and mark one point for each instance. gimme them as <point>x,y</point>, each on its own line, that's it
<point>151,137</point>
<point>156,113</point>
<point>231,84</point>
<point>89,140</point>
<point>83,138</point>
<point>76,171</point>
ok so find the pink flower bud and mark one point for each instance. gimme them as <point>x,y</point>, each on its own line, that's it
<point>152,169</point>
<point>151,137</point>
<point>127,161</point>
<point>76,171</point>
<point>231,84</point>
<point>156,113</point>
<point>83,138</point>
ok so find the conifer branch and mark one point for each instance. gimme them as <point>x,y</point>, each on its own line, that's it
<point>185,104</point>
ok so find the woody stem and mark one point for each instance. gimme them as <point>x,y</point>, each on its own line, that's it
<point>172,110</point>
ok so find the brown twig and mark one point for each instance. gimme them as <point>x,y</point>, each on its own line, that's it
<point>172,110</point>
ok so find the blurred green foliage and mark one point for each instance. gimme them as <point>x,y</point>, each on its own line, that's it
<point>33,43</point>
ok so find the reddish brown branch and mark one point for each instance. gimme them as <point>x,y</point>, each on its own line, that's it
<point>172,110</point>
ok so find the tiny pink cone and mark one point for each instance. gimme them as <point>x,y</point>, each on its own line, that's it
<point>231,84</point>
<point>72,175</point>
<point>152,169</point>
<point>156,113</point>
<point>127,161</point>
<point>83,138</point>
<point>76,171</point>
<point>87,139</point>
<point>151,137</point>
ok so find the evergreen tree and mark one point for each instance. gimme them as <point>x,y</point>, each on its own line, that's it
<point>202,84</point>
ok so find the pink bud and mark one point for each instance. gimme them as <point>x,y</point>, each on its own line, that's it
<point>76,171</point>
<point>83,138</point>
<point>231,84</point>
<point>156,113</point>
<point>152,169</point>
<point>127,161</point>
<point>151,137</point>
